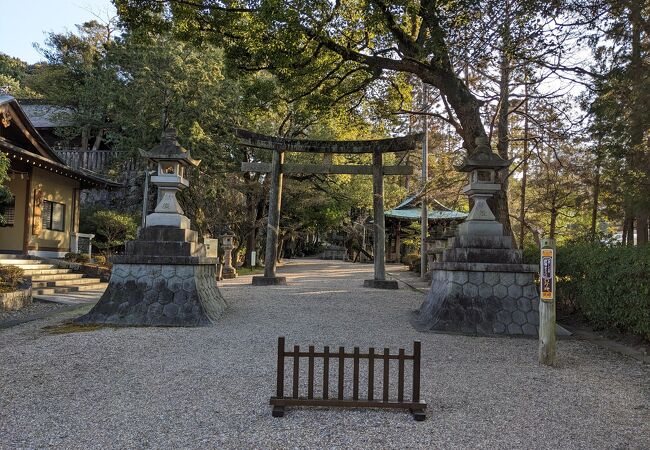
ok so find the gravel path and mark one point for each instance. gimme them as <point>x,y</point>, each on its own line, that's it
<point>209,387</point>
<point>36,309</point>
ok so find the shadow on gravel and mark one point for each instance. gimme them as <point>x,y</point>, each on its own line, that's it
<point>69,327</point>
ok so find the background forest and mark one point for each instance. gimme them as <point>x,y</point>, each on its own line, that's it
<point>558,87</point>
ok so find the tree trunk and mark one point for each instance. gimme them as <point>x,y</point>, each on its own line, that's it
<point>251,237</point>
<point>637,129</point>
<point>594,206</point>
<point>98,140</point>
<point>642,230</point>
<point>524,175</point>
<point>85,137</point>
<point>629,228</point>
<point>501,204</point>
<point>551,233</point>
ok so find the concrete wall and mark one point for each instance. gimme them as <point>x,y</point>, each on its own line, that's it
<point>12,238</point>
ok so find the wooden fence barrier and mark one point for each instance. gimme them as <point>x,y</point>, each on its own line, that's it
<point>416,406</point>
<point>99,160</point>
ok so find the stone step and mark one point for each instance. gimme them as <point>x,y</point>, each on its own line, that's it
<point>167,248</point>
<point>32,272</point>
<point>483,255</point>
<point>36,266</point>
<point>504,242</point>
<point>17,261</point>
<point>13,256</point>
<point>92,287</point>
<point>168,234</point>
<point>68,289</point>
<point>57,276</point>
<point>59,283</point>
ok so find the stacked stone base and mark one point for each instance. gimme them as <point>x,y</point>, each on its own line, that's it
<point>480,302</point>
<point>481,287</point>
<point>159,295</point>
<point>260,280</point>
<point>178,289</point>
<point>13,301</point>
<point>228,273</point>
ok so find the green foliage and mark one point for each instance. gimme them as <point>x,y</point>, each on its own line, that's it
<point>11,276</point>
<point>100,260</point>
<point>609,284</point>
<point>112,229</point>
<point>5,193</point>
<point>77,257</point>
<point>15,76</point>
<point>412,260</point>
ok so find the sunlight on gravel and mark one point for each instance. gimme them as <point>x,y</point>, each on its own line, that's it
<point>210,387</point>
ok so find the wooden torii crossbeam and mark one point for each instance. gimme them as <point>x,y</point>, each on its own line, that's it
<point>277,168</point>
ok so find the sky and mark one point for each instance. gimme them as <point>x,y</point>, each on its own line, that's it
<point>25,22</point>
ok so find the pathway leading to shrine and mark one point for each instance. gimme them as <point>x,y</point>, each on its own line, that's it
<point>209,387</point>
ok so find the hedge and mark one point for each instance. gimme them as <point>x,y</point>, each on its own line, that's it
<point>609,284</point>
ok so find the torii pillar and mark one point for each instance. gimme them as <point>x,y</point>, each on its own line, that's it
<point>277,168</point>
<point>273,226</point>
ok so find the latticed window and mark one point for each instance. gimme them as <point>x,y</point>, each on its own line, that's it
<point>8,212</point>
<point>53,216</point>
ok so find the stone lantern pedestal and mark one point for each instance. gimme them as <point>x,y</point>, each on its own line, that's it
<point>228,244</point>
<point>164,277</point>
<point>481,285</point>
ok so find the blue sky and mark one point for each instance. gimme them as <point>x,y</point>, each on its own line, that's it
<point>23,22</point>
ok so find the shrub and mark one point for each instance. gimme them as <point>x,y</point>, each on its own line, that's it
<point>610,285</point>
<point>77,257</point>
<point>71,256</point>
<point>83,258</point>
<point>11,276</point>
<point>100,260</point>
<point>412,260</point>
<point>111,228</point>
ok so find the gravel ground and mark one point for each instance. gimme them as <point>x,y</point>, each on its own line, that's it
<point>209,387</point>
<point>35,309</point>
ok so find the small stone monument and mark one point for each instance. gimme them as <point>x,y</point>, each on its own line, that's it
<point>164,277</point>
<point>228,244</point>
<point>481,285</point>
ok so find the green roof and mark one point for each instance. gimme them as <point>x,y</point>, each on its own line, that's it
<point>415,213</point>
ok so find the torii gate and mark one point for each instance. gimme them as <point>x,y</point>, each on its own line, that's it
<point>277,168</point>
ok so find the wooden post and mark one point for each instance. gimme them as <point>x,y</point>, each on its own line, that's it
<point>378,212</point>
<point>280,368</point>
<point>398,242</point>
<point>547,327</point>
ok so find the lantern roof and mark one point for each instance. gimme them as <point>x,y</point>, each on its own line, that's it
<point>170,150</point>
<point>483,158</point>
<point>226,231</point>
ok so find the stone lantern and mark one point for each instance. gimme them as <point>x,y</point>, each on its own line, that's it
<point>482,166</point>
<point>480,285</point>
<point>227,244</point>
<point>165,277</point>
<point>172,161</point>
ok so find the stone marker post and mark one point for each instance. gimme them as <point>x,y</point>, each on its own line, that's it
<point>547,303</point>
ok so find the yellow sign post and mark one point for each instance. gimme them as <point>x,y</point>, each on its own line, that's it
<point>547,303</point>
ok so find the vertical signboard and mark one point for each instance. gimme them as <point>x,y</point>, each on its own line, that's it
<point>547,274</point>
<point>547,325</point>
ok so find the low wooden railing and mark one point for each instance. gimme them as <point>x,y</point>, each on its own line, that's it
<point>416,406</point>
<point>97,160</point>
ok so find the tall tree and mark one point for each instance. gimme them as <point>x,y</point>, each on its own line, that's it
<point>345,46</point>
